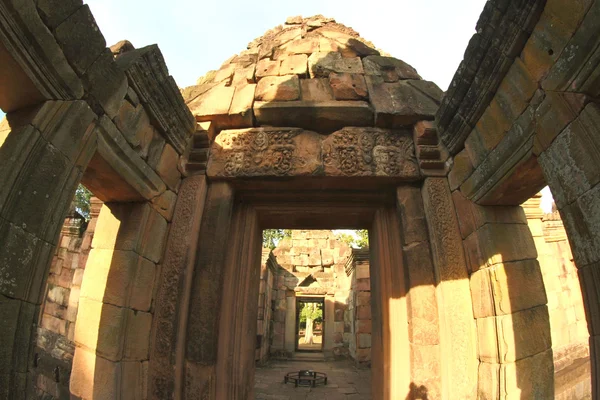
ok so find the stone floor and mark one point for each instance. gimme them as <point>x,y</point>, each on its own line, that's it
<point>344,382</point>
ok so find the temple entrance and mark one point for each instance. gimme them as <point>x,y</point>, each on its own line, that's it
<point>309,323</point>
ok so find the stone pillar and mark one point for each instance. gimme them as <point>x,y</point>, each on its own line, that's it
<point>112,334</point>
<point>569,159</point>
<point>424,328</point>
<point>457,330</point>
<point>390,345</point>
<point>329,315</point>
<point>509,302</point>
<point>237,319</point>
<point>290,323</point>
<point>174,286</point>
<point>42,155</point>
<point>206,293</point>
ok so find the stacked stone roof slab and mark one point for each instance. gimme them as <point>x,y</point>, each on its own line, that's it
<point>316,74</point>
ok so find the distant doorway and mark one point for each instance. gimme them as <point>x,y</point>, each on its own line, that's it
<point>310,317</point>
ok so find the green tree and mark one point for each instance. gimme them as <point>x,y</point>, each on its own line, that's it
<point>360,241</point>
<point>272,236</point>
<point>82,201</point>
<point>310,313</point>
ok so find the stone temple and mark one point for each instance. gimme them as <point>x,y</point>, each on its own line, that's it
<point>470,290</point>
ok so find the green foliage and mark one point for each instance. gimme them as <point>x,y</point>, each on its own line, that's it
<point>272,236</point>
<point>359,242</point>
<point>312,311</point>
<point>82,201</point>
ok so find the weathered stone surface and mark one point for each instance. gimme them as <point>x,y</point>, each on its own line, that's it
<point>316,90</point>
<point>459,360</point>
<point>94,377</point>
<point>305,46</point>
<point>348,86</point>
<point>267,68</point>
<point>100,327</point>
<point>213,103</point>
<point>582,220</point>
<point>81,39</point>
<point>106,84</point>
<point>571,160</point>
<point>167,168</point>
<point>507,288</point>
<point>502,341</point>
<point>137,335</point>
<point>265,151</point>
<point>426,372</point>
<point>240,112</point>
<point>497,243</point>
<point>109,276</point>
<point>574,70</point>
<point>184,232</point>
<point>322,116</point>
<point>321,64</point>
<point>398,104</point>
<point>461,170</point>
<point>412,214</point>
<point>287,151</point>
<point>422,302</point>
<point>117,155</point>
<point>278,88</point>
<point>500,37</point>
<point>148,75</point>
<point>530,377</point>
<point>351,45</point>
<point>389,68</point>
<point>369,151</point>
<point>472,216</point>
<point>294,65</point>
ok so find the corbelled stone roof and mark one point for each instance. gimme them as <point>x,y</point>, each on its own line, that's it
<point>312,73</point>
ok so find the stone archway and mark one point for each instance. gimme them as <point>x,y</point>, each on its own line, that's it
<point>437,180</point>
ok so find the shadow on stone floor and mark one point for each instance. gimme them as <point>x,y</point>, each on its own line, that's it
<point>345,381</point>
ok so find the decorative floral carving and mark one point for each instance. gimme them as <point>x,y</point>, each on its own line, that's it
<point>370,151</point>
<point>258,152</point>
<point>292,151</point>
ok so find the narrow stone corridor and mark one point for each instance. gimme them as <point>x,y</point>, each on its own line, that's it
<point>345,381</point>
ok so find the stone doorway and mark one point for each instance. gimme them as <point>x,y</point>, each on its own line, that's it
<point>310,311</point>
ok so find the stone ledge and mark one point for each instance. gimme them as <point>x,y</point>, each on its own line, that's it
<point>322,117</point>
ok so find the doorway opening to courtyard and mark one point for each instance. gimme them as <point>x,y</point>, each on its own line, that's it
<point>310,314</point>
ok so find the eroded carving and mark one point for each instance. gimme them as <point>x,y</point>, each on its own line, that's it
<point>295,152</point>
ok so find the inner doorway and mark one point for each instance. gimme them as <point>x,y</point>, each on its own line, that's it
<point>310,317</point>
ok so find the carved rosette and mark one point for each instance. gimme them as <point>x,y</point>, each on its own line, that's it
<point>370,152</point>
<point>264,152</point>
<point>296,152</point>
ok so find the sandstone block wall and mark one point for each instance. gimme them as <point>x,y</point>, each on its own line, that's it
<point>568,325</point>
<point>358,314</point>
<point>55,344</point>
<point>315,264</point>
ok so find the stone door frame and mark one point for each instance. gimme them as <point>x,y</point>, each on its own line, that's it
<point>318,299</point>
<point>229,373</point>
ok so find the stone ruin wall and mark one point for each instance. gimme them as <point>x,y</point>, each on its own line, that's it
<point>358,315</point>
<point>112,119</point>
<point>344,286</point>
<point>265,306</point>
<point>568,324</point>
<point>56,331</point>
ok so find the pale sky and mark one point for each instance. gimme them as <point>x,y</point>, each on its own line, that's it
<point>197,36</point>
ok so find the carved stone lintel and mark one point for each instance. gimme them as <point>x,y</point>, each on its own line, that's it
<point>295,152</point>
<point>158,92</point>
